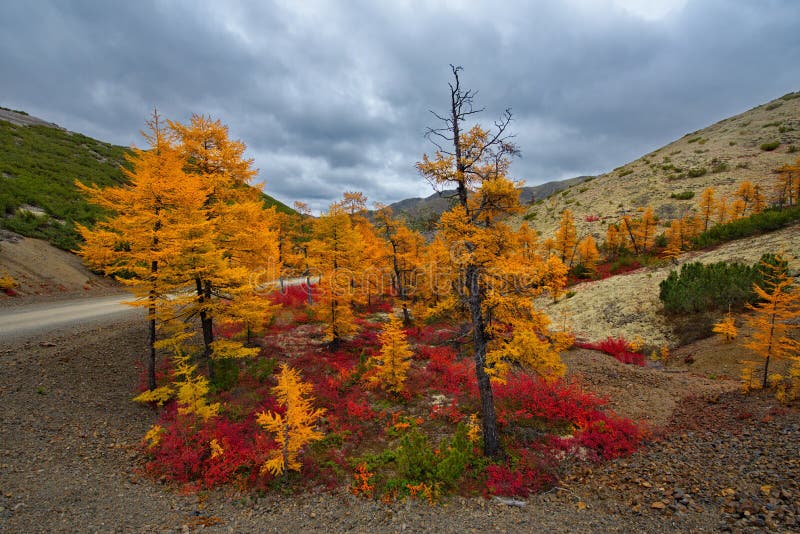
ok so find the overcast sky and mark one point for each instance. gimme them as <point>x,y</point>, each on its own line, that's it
<point>334,96</point>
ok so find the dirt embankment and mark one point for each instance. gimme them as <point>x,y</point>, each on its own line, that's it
<point>44,272</point>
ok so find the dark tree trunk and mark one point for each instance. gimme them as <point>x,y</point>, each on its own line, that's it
<point>151,311</point>
<point>206,323</point>
<point>491,436</point>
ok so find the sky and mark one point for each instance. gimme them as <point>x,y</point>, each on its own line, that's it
<point>336,96</point>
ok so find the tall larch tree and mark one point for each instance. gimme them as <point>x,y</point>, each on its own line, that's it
<point>334,254</point>
<point>231,207</point>
<point>492,285</point>
<point>706,207</point>
<point>139,242</point>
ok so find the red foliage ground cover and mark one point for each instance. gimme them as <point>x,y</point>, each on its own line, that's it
<point>540,422</point>
<point>616,347</point>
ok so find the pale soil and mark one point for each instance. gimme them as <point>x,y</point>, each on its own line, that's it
<point>628,305</point>
<point>45,273</point>
<point>69,435</point>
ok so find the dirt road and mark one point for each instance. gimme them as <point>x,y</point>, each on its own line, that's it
<point>42,317</point>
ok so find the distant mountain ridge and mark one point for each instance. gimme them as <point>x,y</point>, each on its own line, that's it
<point>422,213</point>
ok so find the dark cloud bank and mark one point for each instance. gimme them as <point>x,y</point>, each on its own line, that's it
<point>334,96</point>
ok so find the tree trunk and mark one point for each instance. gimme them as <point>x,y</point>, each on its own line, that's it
<point>491,436</point>
<point>151,311</point>
<point>206,323</point>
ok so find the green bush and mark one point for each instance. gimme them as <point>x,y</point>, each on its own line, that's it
<point>625,172</point>
<point>699,288</point>
<point>683,195</point>
<point>769,147</point>
<point>717,286</point>
<point>766,221</point>
<point>696,172</point>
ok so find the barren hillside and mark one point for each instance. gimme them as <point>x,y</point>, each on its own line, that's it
<point>722,156</point>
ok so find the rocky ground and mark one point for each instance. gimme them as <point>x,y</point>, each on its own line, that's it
<point>69,437</point>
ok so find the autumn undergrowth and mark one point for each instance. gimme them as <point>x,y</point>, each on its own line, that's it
<point>423,441</point>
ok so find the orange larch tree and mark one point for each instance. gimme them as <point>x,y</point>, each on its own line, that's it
<point>140,241</point>
<point>566,238</point>
<point>775,316</point>
<point>706,206</point>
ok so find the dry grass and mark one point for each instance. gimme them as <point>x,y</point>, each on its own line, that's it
<point>628,305</point>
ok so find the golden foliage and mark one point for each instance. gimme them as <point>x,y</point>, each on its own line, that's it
<point>160,395</point>
<point>295,428</point>
<point>726,328</point>
<point>566,238</point>
<point>392,364</point>
<point>775,317</point>
<point>153,436</point>
<point>191,388</point>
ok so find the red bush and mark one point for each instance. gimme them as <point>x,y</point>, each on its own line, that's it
<point>618,348</point>
<point>295,296</point>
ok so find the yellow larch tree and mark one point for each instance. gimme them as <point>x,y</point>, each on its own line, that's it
<point>588,255</point>
<point>139,243</point>
<point>392,363</point>
<point>613,242</point>
<point>566,238</point>
<point>706,206</point>
<point>404,255</point>
<point>334,254</point>
<point>726,328</point>
<point>722,211</point>
<point>644,230</point>
<point>221,262</point>
<point>293,429</point>
<point>775,316</point>
<point>674,240</point>
<point>743,198</point>
<point>787,185</point>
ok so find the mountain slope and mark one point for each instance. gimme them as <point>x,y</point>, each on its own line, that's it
<point>719,156</point>
<point>39,162</point>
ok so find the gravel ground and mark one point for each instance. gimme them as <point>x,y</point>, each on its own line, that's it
<point>69,436</point>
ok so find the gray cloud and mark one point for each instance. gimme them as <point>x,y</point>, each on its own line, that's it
<point>334,96</point>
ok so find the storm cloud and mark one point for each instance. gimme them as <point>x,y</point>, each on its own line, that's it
<point>336,96</point>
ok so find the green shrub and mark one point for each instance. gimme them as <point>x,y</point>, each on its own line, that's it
<point>717,165</point>
<point>766,221</point>
<point>694,140</point>
<point>792,149</point>
<point>696,172</point>
<point>769,147</point>
<point>774,105</point>
<point>790,96</point>
<point>683,195</point>
<point>699,288</point>
<point>625,172</point>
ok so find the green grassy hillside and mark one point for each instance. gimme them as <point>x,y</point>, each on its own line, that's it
<point>38,167</point>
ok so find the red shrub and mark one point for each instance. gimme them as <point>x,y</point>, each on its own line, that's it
<point>592,218</point>
<point>529,474</point>
<point>295,296</point>
<point>618,348</point>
